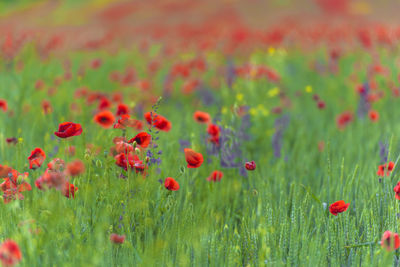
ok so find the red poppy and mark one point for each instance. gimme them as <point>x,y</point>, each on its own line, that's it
<point>96,63</point>
<point>214,131</point>
<point>171,184</point>
<point>105,119</point>
<point>36,158</point>
<point>127,121</point>
<point>4,171</point>
<point>12,140</point>
<point>193,159</point>
<point>46,106</point>
<point>3,105</point>
<point>104,103</point>
<point>69,190</point>
<point>122,147</point>
<point>321,104</point>
<point>142,139</point>
<point>10,253</point>
<point>344,119</point>
<point>202,117</point>
<point>396,189</point>
<point>39,85</point>
<point>338,207</point>
<point>117,239</point>
<point>52,179</point>
<point>68,129</point>
<point>373,115</point>
<point>390,241</point>
<point>159,121</point>
<point>382,168</point>
<point>215,176</point>
<point>124,160</point>
<point>13,185</point>
<point>122,109</point>
<point>250,166</point>
<point>56,164</point>
<point>75,168</point>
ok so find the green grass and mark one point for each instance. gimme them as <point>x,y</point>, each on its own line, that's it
<point>275,217</point>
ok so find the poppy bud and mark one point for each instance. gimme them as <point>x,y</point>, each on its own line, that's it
<point>137,151</point>
<point>99,164</point>
<point>134,144</point>
<point>147,159</point>
<point>250,166</point>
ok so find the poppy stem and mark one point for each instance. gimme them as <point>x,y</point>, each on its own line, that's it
<point>362,244</point>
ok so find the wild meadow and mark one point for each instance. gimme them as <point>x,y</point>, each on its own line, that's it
<point>208,144</point>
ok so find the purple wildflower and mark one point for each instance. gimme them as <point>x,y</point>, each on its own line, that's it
<point>280,126</point>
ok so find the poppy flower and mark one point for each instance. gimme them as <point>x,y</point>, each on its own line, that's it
<point>10,253</point>
<point>124,160</point>
<point>104,103</point>
<point>13,185</point>
<point>69,190</point>
<point>105,119</point>
<point>96,63</point>
<point>39,85</point>
<point>321,104</point>
<point>127,121</point>
<point>117,239</point>
<point>12,140</point>
<point>4,171</point>
<point>344,119</point>
<point>75,168</point>
<point>142,139</point>
<point>338,207</point>
<point>122,109</point>
<point>373,115</point>
<point>215,176</point>
<point>214,131</point>
<point>250,166</point>
<point>390,241</point>
<point>202,117</point>
<point>396,189</point>
<point>157,121</point>
<point>171,184</point>
<point>193,159</point>
<point>46,106</point>
<point>36,158</point>
<point>3,105</point>
<point>52,179</point>
<point>68,129</point>
<point>56,164</point>
<point>389,168</point>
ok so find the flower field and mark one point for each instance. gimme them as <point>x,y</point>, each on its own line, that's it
<point>199,133</point>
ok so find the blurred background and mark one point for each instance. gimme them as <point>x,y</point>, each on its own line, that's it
<point>57,25</point>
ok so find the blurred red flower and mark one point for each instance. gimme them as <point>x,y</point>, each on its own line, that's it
<point>202,117</point>
<point>390,241</point>
<point>381,169</point>
<point>10,253</point>
<point>117,239</point>
<point>215,176</point>
<point>105,119</point>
